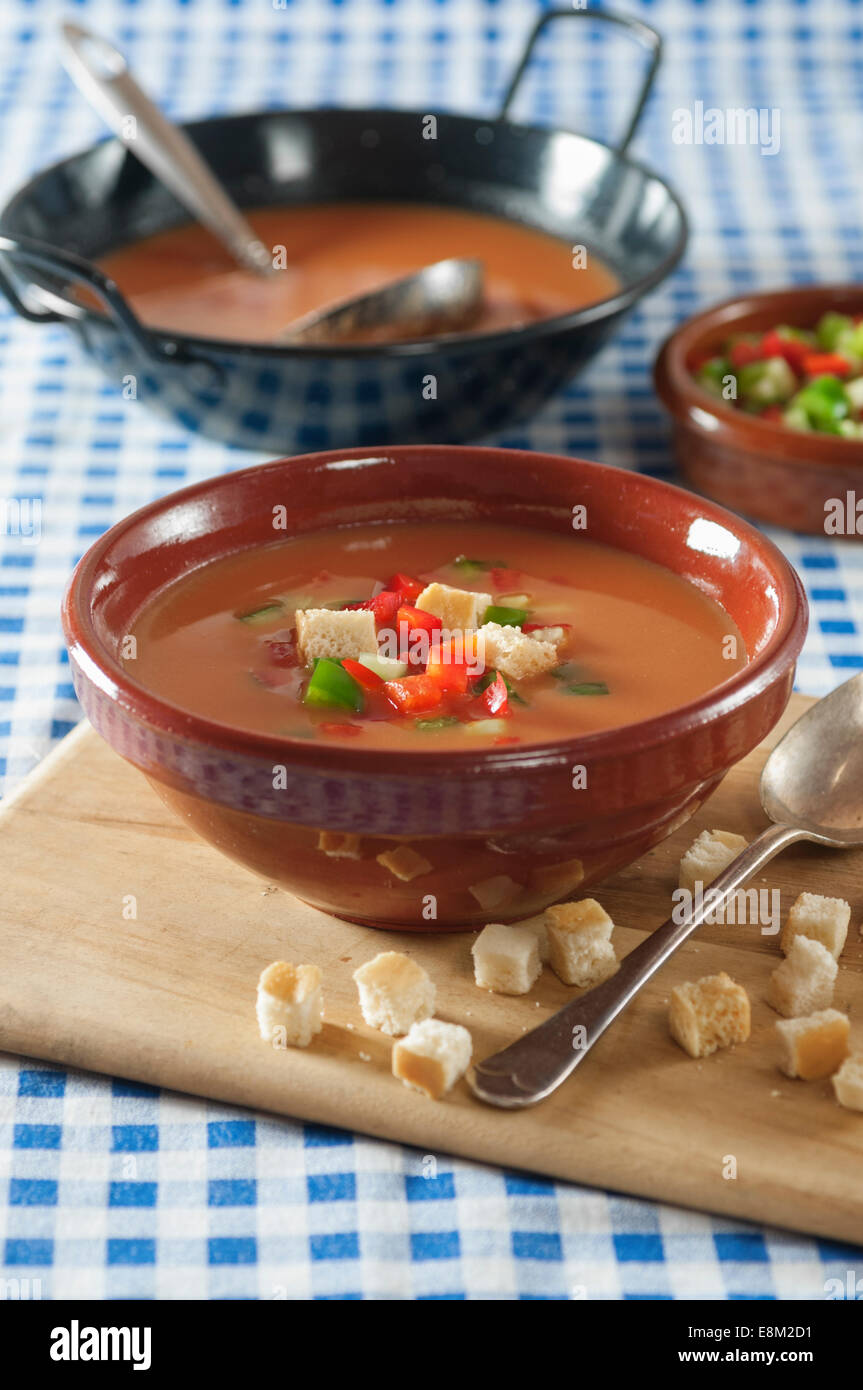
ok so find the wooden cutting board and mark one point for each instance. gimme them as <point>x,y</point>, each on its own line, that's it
<point>167,997</point>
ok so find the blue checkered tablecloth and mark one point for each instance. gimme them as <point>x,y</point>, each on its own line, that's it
<point>112,1190</point>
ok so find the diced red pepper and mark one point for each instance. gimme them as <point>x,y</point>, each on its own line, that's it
<point>771,412</point>
<point>418,618</point>
<point>283,652</point>
<point>413,694</point>
<point>448,675</point>
<point>774,345</point>
<point>369,680</point>
<point>743,353</point>
<point>384,606</point>
<point>451,666</point>
<point>350,730</point>
<point>535,627</point>
<point>506,738</point>
<point>494,700</point>
<point>405,585</point>
<point>505,579</point>
<point>825,364</point>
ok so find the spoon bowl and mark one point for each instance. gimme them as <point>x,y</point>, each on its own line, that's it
<point>813,779</point>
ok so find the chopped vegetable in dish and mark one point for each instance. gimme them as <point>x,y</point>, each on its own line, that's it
<point>808,379</point>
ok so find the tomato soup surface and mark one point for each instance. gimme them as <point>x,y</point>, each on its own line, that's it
<point>183,281</point>
<point>630,639</point>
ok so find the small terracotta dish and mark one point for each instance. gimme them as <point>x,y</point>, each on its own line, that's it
<point>484,815</point>
<point>759,467</point>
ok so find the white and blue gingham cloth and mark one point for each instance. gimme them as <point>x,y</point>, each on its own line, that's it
<point>113,1190</point>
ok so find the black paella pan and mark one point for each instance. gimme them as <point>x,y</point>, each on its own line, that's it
<point>288,399</point>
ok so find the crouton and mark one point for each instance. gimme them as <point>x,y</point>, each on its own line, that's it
<point>506,959</point>
<point>539,927</point>
<point>557,879</point>
<point>710,1013</point>
<point>515,653</point>
<point>495,892</point>
<point>804,982</point>
<point>395,992</point>
<point>433,1056</point>
<point>339,846</point>
<point>848,1082</point>
<point>579,943</point>
<point>289,1004</point>
<point>458,609</point>
<point>321,632</point>
<point>405,863</point>
<point>823,919</point>
<point>707,856</point>
<point>815,1046</point>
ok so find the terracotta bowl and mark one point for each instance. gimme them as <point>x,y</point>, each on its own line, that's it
<point>503,814</point>
<point>756,466</point>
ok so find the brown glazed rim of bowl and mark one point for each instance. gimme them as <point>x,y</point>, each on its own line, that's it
<point>800,305</point>
<point>103,669</point>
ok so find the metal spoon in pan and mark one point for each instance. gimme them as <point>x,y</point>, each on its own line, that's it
<point>441,297</point>
<point>811,788</point>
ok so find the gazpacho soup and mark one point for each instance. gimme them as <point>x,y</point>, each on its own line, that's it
<point>433,635</point>
<point>183,281</point>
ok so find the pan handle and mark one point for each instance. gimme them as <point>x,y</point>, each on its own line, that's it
<point>646,36</point>
<point>39,255</point>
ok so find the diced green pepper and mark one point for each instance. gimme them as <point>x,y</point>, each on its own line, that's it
<point>586,688</point>
<point>830,328</point>
<point>469,568</point>
<point>430,726</point>
<point>766,383</point>
<point>507,617</point>
<point>265,614</point>
<point>824,403</point>
<point>712,375</point>
<point>330,687</point>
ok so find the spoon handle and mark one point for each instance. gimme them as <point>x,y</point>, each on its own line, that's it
<point>530,1069</point>
<point>101,73</point>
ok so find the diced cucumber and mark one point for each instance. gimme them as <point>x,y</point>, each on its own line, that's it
<point>383,666</point>
<point>797,335</point>
<point>264,614</point>
<point>854,392</point>
<point>830,327</point>
<point>766,383</point>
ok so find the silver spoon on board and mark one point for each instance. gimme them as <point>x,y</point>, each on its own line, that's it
<point>811,788</point>
<point>442,297</point>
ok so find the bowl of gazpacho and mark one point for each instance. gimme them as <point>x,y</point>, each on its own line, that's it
<point>433,687</point>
